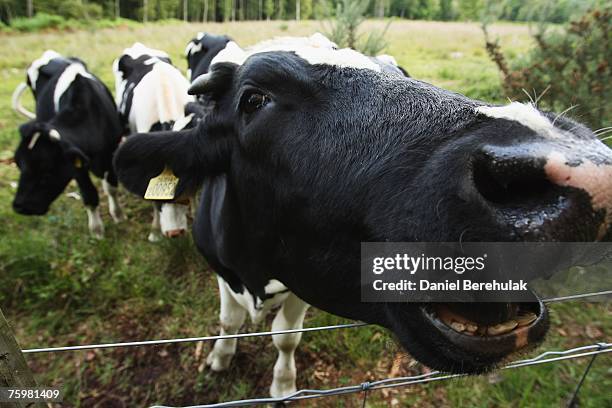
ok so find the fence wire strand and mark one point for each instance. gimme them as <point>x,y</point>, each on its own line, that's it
<point>574,353</point>
<point>254,334</point>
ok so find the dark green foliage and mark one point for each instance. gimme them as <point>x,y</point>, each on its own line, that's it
<point>572,64</point>
<point>232,10</point>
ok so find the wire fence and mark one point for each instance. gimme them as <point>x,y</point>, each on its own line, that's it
<point>254,334</point>
<point>546,357</point>
<point>404,381</point>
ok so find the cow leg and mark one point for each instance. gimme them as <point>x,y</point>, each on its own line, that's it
<point>232,316</point>
<point>290,316</point>
<point>154,235</point>
<point>91,201</point>
<point>109,185</point>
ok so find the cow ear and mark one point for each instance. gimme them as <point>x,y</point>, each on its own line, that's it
<point>191,155</point>
<point>76,157</point>
<point>125,65</point>
<point>216,82</point>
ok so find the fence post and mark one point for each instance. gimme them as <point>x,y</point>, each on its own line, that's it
<point>14,371</point>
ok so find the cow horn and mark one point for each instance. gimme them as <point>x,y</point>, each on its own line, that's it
<point>54,134</point>
<point>17,106</point>
<point>198,86</point>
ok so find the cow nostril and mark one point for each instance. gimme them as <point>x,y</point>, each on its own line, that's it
<point>175,233</point>
<point>512,181</point>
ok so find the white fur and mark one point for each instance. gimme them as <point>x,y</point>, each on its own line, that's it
<point>154,235</point>
<point>54,134</point>
<point>316,49</point>
<point>138,49</point>
<point>387,59</point>
<point>160,96</point>
<point>182,122</point>
<point>113,203</point>
<point>66,79</point>
<point>200,35</point>
<point>94,221</point>
<point>34,68</point>
<point>192,48</point>
<point>33,141</point>
<point>525,114</point>
<point>173,217</point>
<point>234,308</point>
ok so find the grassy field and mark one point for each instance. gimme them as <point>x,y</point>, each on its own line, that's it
<point>58,287</point>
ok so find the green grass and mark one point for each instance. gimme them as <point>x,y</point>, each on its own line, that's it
<point>58,287</point>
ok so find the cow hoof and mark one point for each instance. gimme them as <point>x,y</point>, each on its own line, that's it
<point>118,216</point>
<point>154,237</point>
<point>280,389</point>
<point>97,233</point>
<point>218,362</point>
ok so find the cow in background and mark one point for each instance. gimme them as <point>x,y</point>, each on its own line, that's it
<point>151,95</point>
<point>74,132</point>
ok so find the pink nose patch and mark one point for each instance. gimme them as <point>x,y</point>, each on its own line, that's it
<point>175,233</point>
<point>595,179</point>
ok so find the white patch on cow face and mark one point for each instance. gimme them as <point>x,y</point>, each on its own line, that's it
<point>316,49</point>
<point>34,68</point>
<point>173,217</point>
<point>66,79</point>
<point>525,114</point>
<point>54,134</point>
<point>139,49</point>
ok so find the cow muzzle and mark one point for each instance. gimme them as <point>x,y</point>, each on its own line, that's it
<point>540,193</point>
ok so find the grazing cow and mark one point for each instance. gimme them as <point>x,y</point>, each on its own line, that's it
<point>151,95</point>
<point>75,131</point>
<point>310,151</point>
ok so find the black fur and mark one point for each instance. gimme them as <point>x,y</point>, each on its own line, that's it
<point>336,157</point>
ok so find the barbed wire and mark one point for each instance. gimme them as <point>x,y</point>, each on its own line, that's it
<point>243,335</point>
<point>574,353</point>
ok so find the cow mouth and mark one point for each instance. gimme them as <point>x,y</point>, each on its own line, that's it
<point>479,336</point>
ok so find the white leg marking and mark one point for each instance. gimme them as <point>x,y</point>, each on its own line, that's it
<point>290,316</point>
<point>94,221</point>
<point>154,234</point>
<point>113,203</point>
<point>232,316</point>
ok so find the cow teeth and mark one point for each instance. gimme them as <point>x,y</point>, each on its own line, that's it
<point>502,328</point>
<point>458,326</point>
<point>525,319</point>
<point>471,327</point>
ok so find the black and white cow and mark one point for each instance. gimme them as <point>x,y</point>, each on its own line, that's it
<point>151,95</point>
<point>75,131</point>
<point>310,151</point>
<point>201,50</point>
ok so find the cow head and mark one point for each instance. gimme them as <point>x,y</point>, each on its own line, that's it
<point>322,150</point>
<point>47,163</point>
<point>201,50</point>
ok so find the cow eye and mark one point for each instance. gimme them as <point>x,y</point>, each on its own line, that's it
<point>253,101</point>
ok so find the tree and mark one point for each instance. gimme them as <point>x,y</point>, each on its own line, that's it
<point>269,7</point>
<point>30,8</point>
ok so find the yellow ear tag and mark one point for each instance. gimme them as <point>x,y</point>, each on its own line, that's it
<point>162,187</point>
<point>77,163</point>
